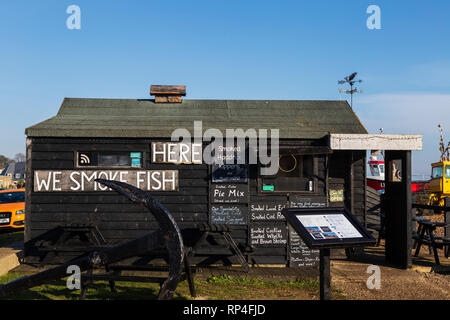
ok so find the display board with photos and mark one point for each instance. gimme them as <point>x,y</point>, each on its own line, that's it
<point>328,227</point>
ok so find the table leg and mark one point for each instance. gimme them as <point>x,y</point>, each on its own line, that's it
<point>419,242</point>
<point>433,244</point>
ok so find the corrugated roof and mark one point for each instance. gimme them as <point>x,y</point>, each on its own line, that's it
<point>129,118</point>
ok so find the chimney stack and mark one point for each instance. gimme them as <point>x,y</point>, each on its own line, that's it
<point>167,94</point>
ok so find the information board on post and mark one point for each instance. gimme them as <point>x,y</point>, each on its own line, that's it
<point>328,227</point>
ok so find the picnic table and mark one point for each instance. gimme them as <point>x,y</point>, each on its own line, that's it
<point>425,235</point>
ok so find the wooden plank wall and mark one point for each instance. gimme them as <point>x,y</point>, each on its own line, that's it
<point>119,220</point>
<point>347,170</point>
<point>373,207</point>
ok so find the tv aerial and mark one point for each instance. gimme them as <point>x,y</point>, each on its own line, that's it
<point>444,150</point>
<point>351,80</point>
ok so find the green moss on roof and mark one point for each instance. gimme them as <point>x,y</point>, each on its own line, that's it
<point>113,118</point>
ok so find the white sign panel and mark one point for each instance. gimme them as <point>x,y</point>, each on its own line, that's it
<point>84,180</point>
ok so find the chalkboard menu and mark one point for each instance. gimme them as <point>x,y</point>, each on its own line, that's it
<point>236,173</point>
<point>228,214</point>
<point>229,165</point>
<point>264,235</point>
<point>299,253</point>
<point>307,202</point>
<point>266,211</point>
<point>229,193</point>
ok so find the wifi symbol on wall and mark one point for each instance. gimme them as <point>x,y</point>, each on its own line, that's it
<point>84,159</point>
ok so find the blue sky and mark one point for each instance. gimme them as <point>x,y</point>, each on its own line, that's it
<point>230,50</point>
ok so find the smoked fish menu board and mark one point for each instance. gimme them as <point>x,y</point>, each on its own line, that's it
<point>299,253</point>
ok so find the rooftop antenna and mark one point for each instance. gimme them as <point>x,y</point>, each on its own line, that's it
<point>351,80</point>
<point>381,132</point>
<point>444,150</point>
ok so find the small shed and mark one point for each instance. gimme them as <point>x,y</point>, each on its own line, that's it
<point>129,140</point>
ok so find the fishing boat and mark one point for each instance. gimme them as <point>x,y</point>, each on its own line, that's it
<point>376,168</point>
<point>376,178</point>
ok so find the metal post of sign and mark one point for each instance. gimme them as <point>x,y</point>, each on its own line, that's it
<point>326,229</point>
<point>325,276</point>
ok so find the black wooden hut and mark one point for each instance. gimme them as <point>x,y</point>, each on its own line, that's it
<point>116,138</point>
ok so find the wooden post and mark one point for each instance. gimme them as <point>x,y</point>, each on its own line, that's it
<point>325,275</point>
<point>28,188</point>
<point>397,207</point>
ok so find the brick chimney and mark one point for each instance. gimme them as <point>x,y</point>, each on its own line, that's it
<point>167,94</point>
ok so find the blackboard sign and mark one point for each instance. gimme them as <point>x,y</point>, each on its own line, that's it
<point>265,235</point>
<point>228,214</point>
<point>299,253</point>
<point>236,173</point>
<point>229,193</point>
<point>307,202</point>
<point>266,211</point>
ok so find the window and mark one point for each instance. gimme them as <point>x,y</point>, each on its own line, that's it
<point>12,197</point>
<point>436,172</point>
<point>447,171</point>
<point>395,171</point>
<point>295,174</point>
<point>109,159</point>
<point>374,170</point>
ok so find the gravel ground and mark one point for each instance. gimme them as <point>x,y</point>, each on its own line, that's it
<point>417,283</point>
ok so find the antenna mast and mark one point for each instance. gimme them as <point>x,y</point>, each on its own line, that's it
<point>351,81</point>
<point>444,150</point>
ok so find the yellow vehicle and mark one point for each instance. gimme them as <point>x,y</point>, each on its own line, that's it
<point>440,176</point>
<point>12,208</point>
<point>439,183</point>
